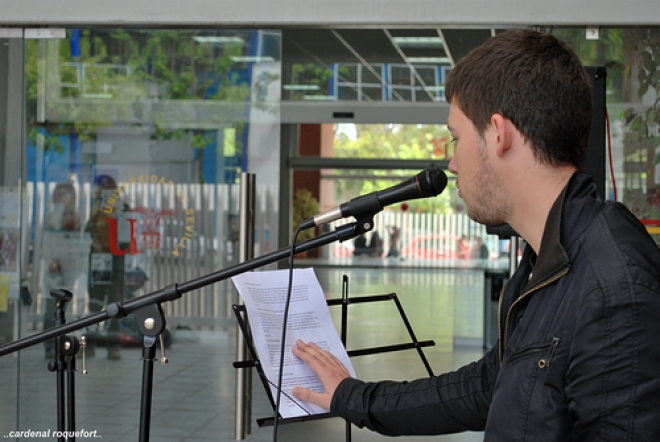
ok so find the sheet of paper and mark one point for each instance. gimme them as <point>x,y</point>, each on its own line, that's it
<point>264,294</point>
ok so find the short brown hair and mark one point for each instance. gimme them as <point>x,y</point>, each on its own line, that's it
<point>536,81</point>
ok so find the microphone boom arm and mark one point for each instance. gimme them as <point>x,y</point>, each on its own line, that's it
<point>174,291</point>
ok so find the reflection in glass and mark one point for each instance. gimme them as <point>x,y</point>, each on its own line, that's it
<point>631,56</point>
<point>166,116</point>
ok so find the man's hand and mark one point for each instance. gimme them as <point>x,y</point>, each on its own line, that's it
<point>326,366</point>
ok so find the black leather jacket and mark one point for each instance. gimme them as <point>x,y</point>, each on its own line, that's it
<point>578,357</point>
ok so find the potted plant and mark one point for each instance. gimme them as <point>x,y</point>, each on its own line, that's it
<point>305,206</point>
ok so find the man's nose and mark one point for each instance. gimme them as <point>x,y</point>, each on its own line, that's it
<point>452,166</point>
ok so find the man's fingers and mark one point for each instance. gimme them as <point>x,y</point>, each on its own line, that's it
<point>327,367</point>
<point>307,395</point>
<point>329,359</point>
<point>302,393</point>
<point>315,356</point>
<point>310,353</point>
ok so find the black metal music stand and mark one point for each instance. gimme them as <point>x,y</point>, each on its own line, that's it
<point>241,316</point>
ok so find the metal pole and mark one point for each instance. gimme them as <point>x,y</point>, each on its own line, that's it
<point>175,291</point>
<point>246,252</point>
<point>148,356</point>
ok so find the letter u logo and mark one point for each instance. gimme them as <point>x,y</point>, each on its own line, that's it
<point>132,246</point>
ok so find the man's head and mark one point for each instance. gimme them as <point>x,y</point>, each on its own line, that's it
<point>535,81</point>
<point>64,193</point>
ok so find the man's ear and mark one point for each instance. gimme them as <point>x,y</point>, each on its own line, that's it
<point>501,135</point>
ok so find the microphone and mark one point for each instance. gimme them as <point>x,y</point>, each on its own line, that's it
<point>429,182</point>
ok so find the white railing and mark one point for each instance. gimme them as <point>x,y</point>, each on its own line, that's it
<point>185,231</point>
<point>421,237</point>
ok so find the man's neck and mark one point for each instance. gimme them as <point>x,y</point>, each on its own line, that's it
<point>532,208</point>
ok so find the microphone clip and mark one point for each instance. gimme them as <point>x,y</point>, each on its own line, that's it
<point>364,223</point>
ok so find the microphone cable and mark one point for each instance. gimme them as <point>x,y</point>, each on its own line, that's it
<point>285,319</point>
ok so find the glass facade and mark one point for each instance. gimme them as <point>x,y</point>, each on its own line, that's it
<point>148,132</point>
<point>134,145</point>
<point>122,152</point>
<point>631,56</point>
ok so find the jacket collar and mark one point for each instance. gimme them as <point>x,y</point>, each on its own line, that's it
<point>567,210</point>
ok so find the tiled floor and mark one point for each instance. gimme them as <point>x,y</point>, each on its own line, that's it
<point>194,395</point>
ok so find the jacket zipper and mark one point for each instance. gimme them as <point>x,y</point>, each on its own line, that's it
<point>520,298</point>
<point>545,362</point>
<point>547,348</point>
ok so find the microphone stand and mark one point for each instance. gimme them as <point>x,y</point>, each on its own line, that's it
<point>64,364</point>
<point>151,319</point>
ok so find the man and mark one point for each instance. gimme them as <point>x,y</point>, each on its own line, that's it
<point>479,249</point>
<point>578,356</point>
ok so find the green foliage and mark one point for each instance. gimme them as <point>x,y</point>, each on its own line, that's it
<point>132,66</point>
<point>393,141</point>
<point>305,206</point>
<point>184,69</point>
<point>50,133</point>
<point>402,141</point>
<point>607,50</point>
<point>311,74</point>
<point>642,49</point>
<point>632,59</point>
<point>642,142</point>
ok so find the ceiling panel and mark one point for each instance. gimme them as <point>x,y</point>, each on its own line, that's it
<point>373,45</point>
<point>461,41</point>
<point>413,50</point>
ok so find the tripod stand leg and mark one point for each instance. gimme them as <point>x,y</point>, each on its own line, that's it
<point>60,362</point>
<point>61,395</point>
<point>148,356</point>
<point>71,396</point>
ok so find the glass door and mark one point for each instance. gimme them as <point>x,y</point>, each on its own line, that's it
<point>134,144</point>
<point>13,257</point>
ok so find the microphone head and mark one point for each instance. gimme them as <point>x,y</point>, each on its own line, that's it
<point>432,181</point>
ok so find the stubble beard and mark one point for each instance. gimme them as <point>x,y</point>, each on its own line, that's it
<point>488,207</point>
